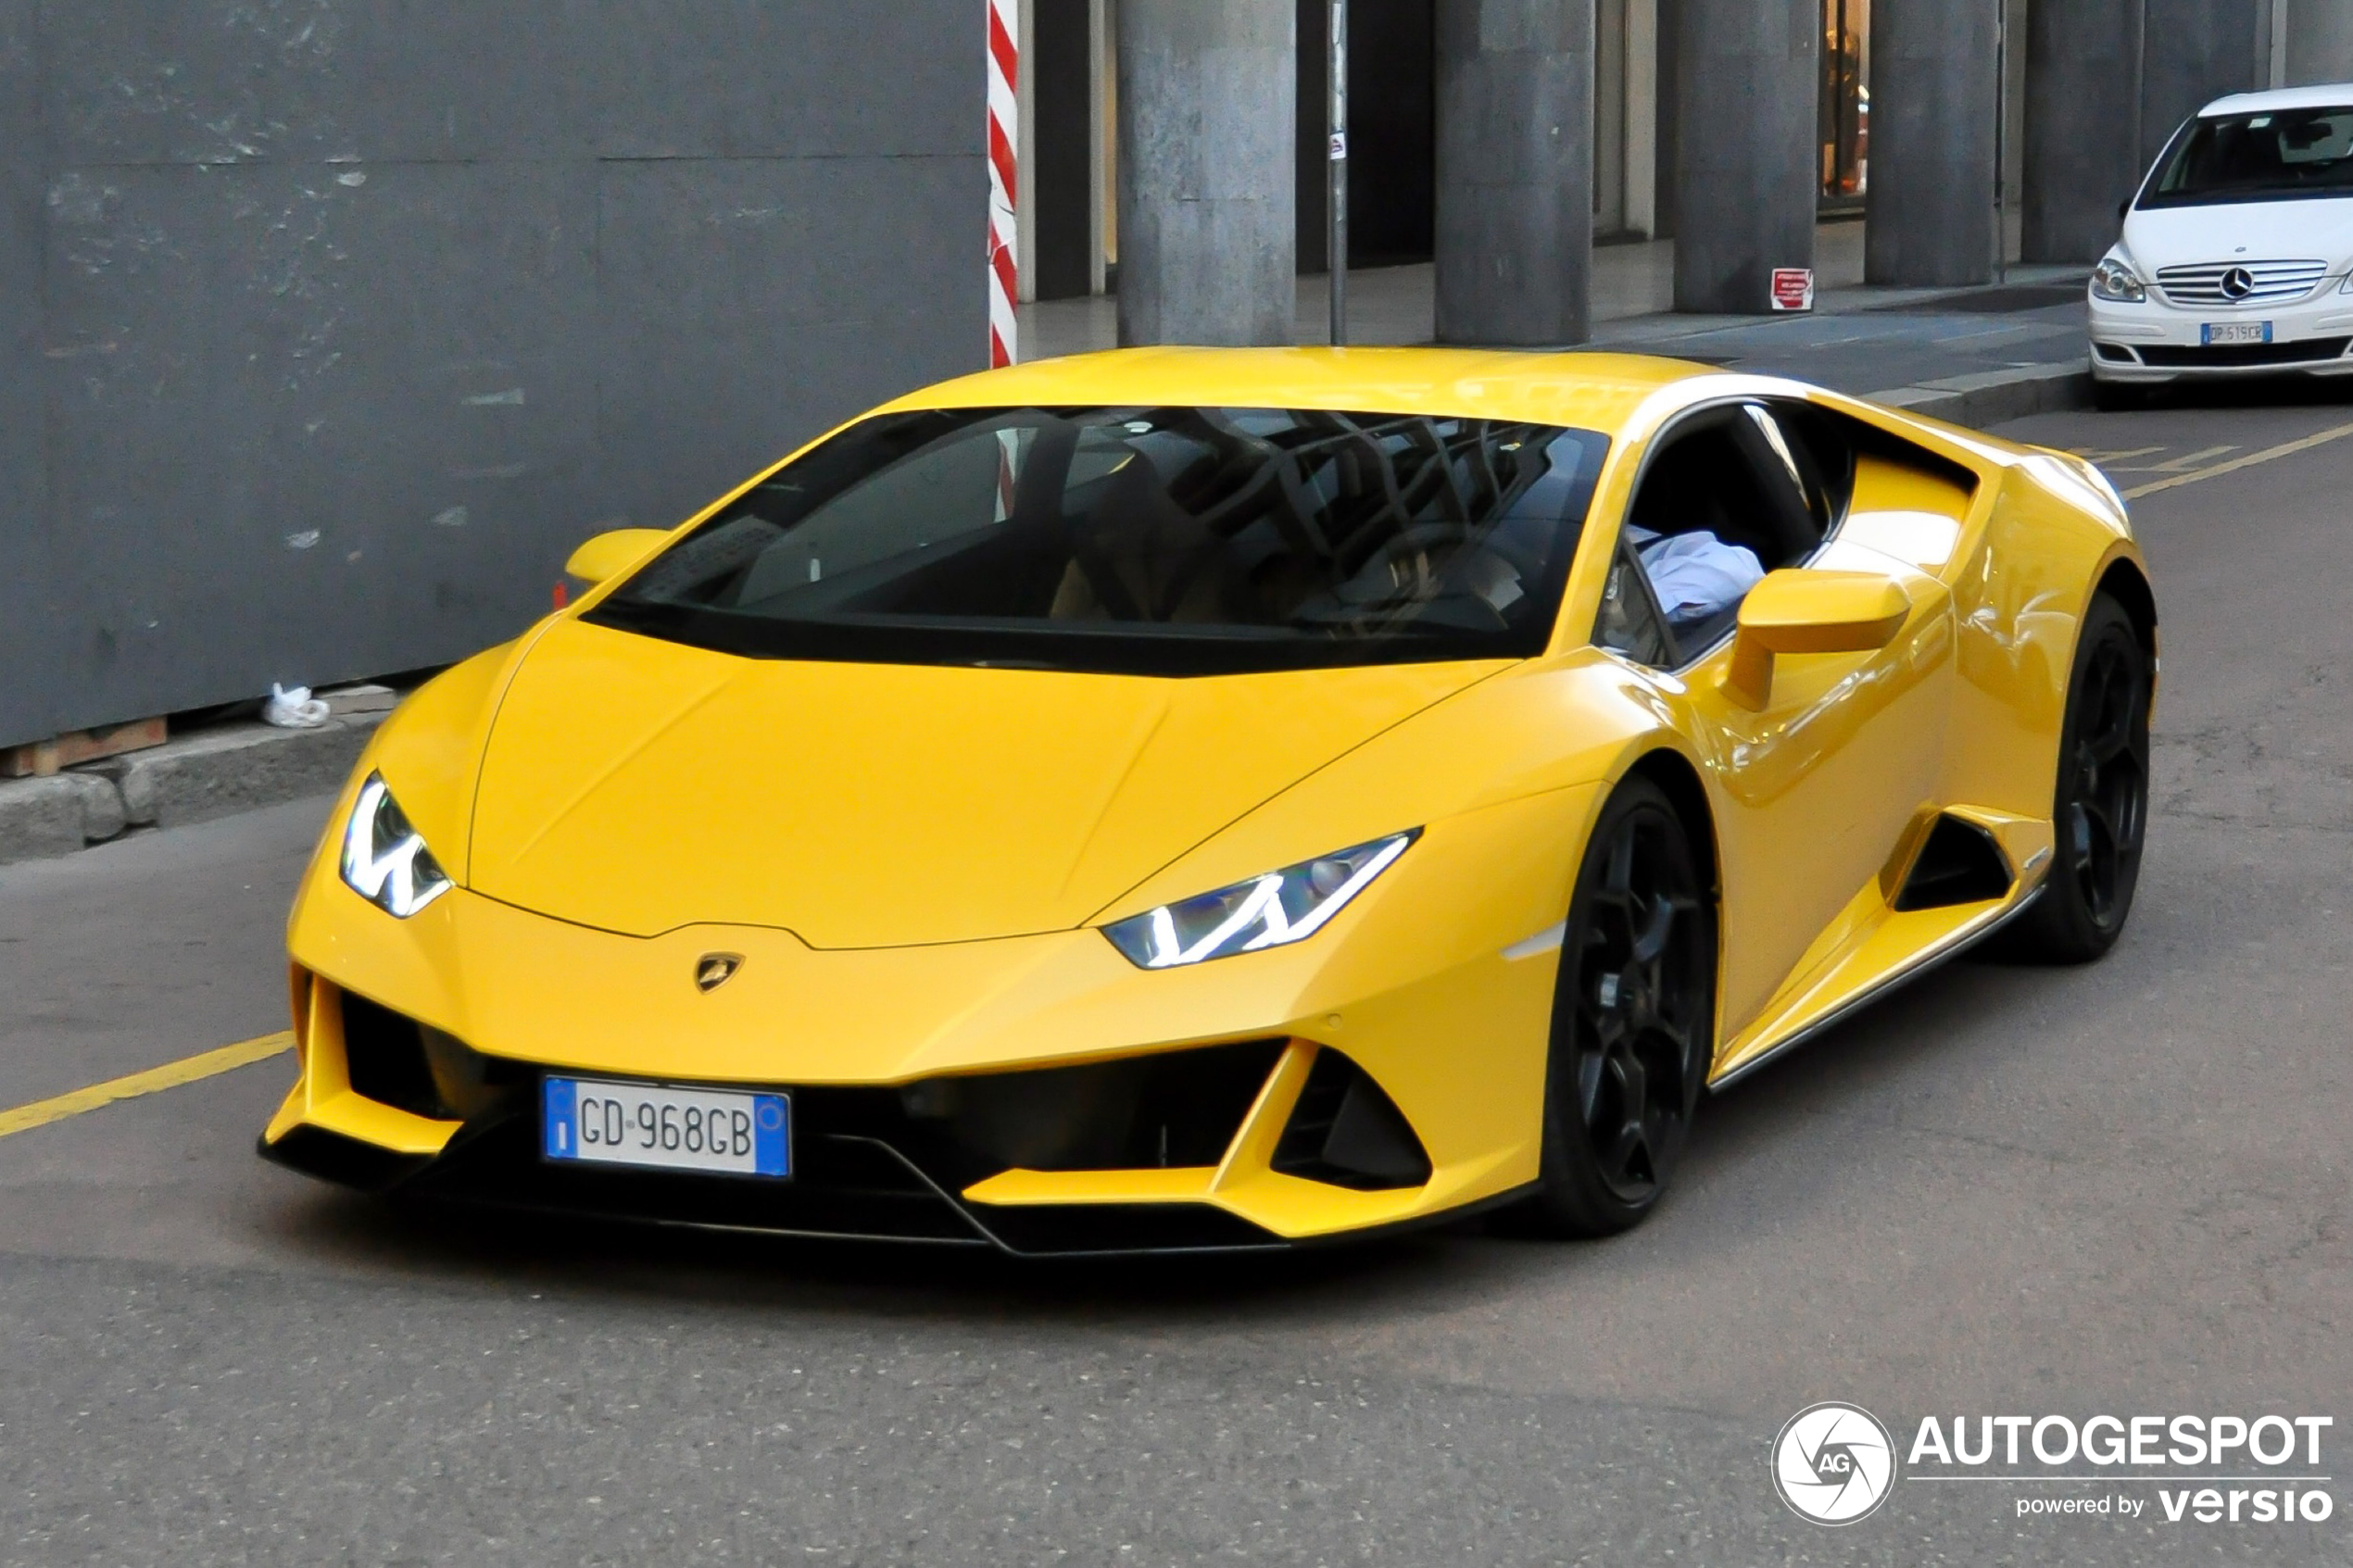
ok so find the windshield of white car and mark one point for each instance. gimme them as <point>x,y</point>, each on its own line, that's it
<point>2278,156</point>
<point>1144,540</point>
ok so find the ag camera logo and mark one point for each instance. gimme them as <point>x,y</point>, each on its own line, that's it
<point>1834,1463</point>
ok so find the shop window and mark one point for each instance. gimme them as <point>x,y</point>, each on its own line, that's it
<point>1845,119</point>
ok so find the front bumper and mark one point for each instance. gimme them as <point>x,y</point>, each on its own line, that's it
<point>2159,343</point>
<point>1416,1000</point>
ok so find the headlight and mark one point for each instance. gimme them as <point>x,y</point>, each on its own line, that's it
<point>2347,287</point>
<point>385,860</point>
<point>2113,280</point>
<point>1273,911</point>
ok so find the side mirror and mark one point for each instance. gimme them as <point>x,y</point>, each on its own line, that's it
<point>1810,612</point>
<point>2124,209</point>
<point>609,555</point>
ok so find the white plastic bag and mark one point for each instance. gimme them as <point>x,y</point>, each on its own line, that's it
<point>296,710</point>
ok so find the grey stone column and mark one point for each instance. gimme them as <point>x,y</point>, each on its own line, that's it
<point>1514,201</point>
<point>1207,181</point>
<point>2319,42</point>
<point>1936,99</point>
<point>2194,52</point>
<point>2082,124</point>
<point>1748,172</point>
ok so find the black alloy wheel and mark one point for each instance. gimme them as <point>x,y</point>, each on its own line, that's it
<point>2100,813</point>
<point>1633,1019</point>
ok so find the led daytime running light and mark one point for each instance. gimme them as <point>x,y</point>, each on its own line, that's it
<point>1273,911</point>
<point>385,860</point>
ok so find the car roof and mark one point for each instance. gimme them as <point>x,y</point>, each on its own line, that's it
<point>1585,390</point>
<point>2327,95</point>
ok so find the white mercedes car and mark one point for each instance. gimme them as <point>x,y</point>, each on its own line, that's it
<point>2237,254</point>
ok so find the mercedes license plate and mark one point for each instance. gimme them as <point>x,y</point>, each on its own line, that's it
<point>2219,333</point>
<point>666,1126</point>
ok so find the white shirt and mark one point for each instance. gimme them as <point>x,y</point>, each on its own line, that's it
<point>1696,575</point>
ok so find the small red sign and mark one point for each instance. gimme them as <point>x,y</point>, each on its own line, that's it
<point>1793,288</point>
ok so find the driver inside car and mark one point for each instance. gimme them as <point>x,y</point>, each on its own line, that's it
<point>1695,576</point>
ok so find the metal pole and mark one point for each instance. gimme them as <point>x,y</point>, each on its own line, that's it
<point>1337,213</point>
<point>2001,140</point>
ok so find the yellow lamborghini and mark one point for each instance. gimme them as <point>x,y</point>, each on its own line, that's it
<point>1187,799</point>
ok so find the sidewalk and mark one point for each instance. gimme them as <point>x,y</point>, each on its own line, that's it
<point>1973,355</point>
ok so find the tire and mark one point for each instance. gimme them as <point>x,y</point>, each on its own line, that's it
<point>2099,813</point>
<point>1633,1029</point>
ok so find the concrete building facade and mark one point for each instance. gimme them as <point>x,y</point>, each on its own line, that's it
<point>327,330</point>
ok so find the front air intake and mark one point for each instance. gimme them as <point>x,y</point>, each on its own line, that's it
<point>1177,1107</point>
<point>1346,1131</point>
<point>395,1061</point>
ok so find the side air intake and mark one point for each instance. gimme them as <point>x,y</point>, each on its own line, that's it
<point>1346,1131</point>
<point>1959,864</point>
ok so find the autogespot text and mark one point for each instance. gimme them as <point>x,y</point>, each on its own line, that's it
<point>2198,1469</point>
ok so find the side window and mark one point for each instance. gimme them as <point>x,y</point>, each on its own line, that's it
<point>1730,495</point>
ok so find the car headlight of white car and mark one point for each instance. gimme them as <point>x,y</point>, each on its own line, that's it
<point>1273,911</point>
<point>385,860</point>
<point>2114,280</point>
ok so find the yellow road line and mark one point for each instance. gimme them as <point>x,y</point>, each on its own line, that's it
<point>171,1075</point>
<point>2285,449</point>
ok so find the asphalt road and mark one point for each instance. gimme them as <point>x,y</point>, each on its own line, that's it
<point>2121,1189</point>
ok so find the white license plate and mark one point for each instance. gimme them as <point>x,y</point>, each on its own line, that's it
<point>666,1127</point>
<point>2218,333</point>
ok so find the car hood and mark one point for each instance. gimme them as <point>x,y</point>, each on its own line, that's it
<point>638,785</point>
<point>2288,231</point>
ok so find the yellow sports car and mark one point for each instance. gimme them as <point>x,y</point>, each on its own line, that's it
<point>1187,799</point>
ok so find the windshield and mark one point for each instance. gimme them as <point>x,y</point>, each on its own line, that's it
<point>1171,541</point>
<point>2278,156</point>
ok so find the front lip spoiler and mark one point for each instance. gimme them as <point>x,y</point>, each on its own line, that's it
<point>346,1162</point>
<point>314,1151</point>
<point>1025,1233</point>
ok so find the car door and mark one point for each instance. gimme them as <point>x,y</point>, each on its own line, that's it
<point>1814,793</point>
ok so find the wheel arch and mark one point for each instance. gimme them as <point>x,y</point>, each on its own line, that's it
<point>1679,780</point>
<point>2124,582</point>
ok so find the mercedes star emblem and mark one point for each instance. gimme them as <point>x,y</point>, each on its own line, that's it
<point>714,970</point>
<point>2238,283</point>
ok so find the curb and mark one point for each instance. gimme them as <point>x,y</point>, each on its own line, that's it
<point>1994,397</point>
<point>216,772</point>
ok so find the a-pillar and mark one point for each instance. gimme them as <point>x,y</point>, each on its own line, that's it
<point>1515,200</point>
<point>1207,106</point>
<point>2083,132</point>
<point>1747,166</point>
<point>1935,105</point>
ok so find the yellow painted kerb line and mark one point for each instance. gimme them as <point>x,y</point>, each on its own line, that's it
<point>2269,454</point>
<point>171,1075</point>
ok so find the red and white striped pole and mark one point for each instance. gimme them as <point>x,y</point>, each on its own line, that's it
<point>1004,123</point>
